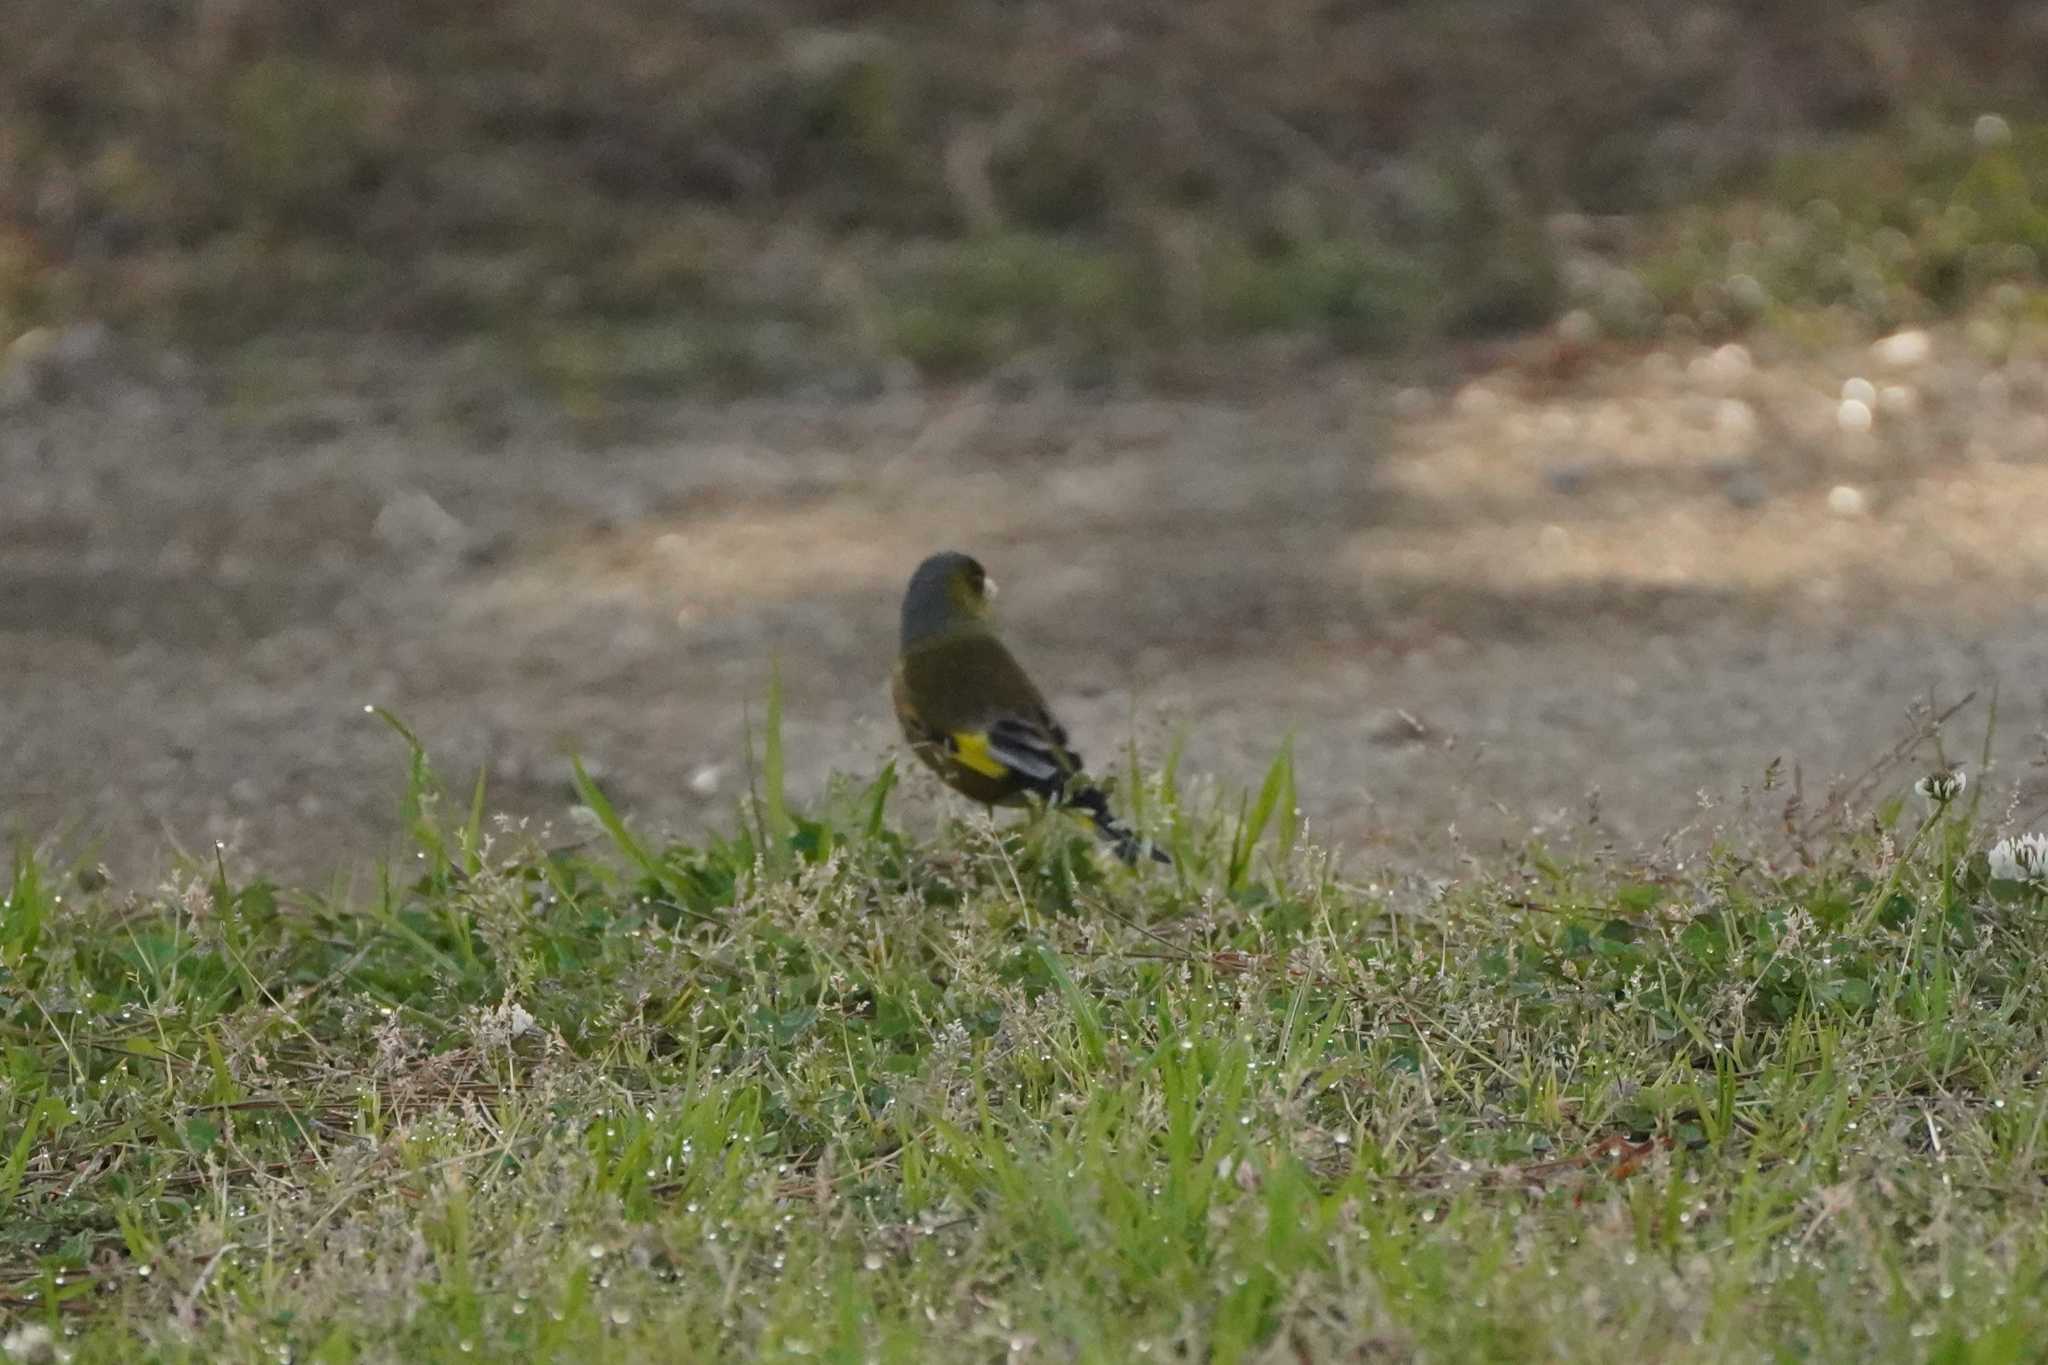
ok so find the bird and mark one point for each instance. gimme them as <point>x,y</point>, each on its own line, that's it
<point>974,717</point>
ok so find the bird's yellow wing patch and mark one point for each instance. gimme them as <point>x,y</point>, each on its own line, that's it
<point>970,750</point>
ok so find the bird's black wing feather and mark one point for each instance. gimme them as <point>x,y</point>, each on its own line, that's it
<point>1035,748</point>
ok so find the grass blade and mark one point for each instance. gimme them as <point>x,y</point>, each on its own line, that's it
<point>876,799</point>
<point>775,822</point>
<point>422,795</point>
<point>609,820</point>
<point>473,828</point>
<point>1276,793</point>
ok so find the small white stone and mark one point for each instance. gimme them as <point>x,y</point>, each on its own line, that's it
<point>1476,400</point>
<point>1579,327</point>
<point>1845,501</point>
<point>1747,293</point>
<point>413,522</point>
<point>1413,402</point>
<point>1853,416</point>
<point>1726,366</point>
<point>705,780</point>
<point>31,1341</point>
<point>1990,131</point>
<point>1859,390</point>
<point>1735,419</point>
<point>1903,350</point>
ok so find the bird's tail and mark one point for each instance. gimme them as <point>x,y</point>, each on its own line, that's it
<point>1125,842</point>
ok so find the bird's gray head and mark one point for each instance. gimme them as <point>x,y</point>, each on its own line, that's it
<point>949,590</point>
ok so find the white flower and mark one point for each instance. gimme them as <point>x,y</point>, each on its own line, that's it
<point>498,1026</point>
<point>1938,789</point>
<point>2022,858</point>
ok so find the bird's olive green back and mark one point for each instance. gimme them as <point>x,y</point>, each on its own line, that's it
<point>966,680</point>
<point>960,684</point>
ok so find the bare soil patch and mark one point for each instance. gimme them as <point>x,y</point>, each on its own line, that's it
<point>1593,604</point>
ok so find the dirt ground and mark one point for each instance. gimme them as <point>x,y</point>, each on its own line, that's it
<point>1587,595</point>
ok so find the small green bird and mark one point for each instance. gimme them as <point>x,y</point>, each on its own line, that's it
<point>972,715</point>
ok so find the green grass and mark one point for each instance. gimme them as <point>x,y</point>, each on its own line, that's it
<point>822,1090</point>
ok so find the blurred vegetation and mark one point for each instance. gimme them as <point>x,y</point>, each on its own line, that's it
<point>753,195</point>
